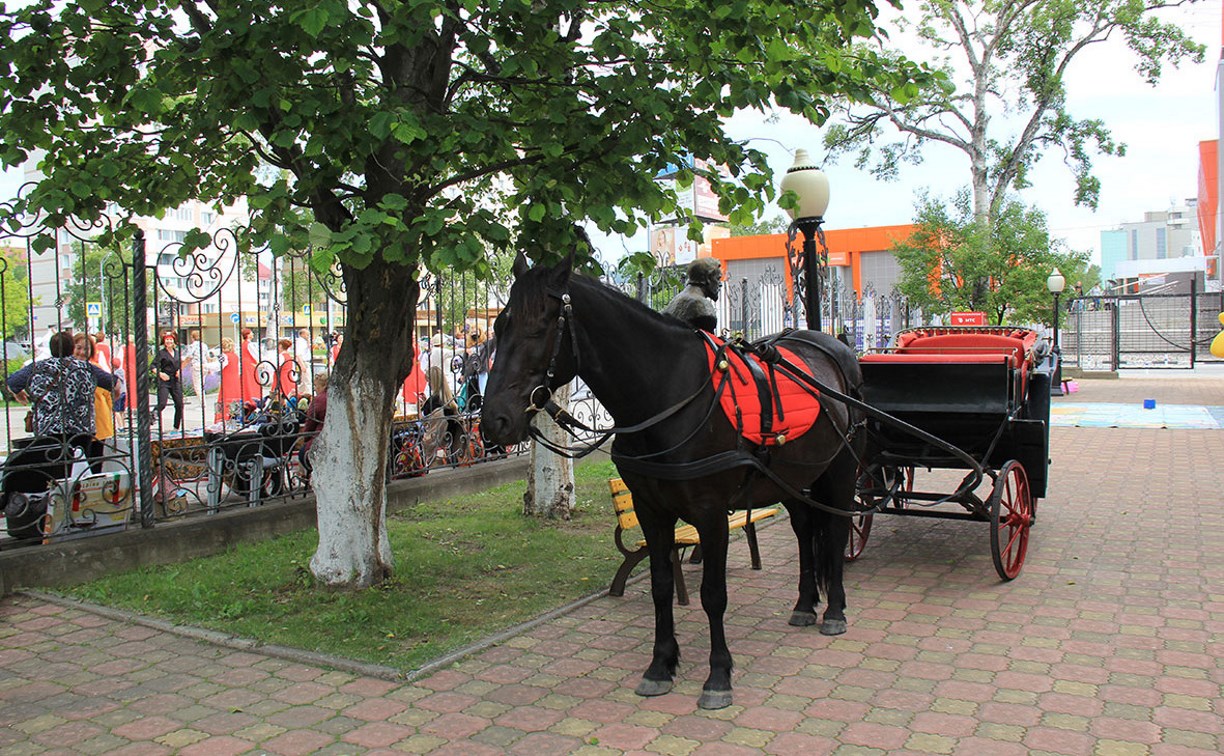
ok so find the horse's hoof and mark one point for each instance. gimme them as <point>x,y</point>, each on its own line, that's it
<point>803,619</point>
<point>653,687</point>
<point>714,699</point>
<point>833,627</point>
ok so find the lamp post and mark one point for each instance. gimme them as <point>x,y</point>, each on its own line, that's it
<point>811,186</point>
<point>1055,284</point>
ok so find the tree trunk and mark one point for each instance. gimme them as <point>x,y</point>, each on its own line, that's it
<point>550,482</point>
<point>350,455</point>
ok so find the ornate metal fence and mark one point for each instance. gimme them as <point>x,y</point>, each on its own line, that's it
<point>251,333</point>
<point>1140,331</point>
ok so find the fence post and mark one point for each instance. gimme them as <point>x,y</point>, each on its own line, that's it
<point>140,327</point>
<point>1115,341</point>
<point>1193,317</point>
<point>744,308</point>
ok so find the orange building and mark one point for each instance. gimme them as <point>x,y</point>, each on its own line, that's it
<point>857,256</point>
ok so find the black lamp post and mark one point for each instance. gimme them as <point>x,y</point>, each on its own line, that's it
<point>1055,284</point>
<point>811,186</point>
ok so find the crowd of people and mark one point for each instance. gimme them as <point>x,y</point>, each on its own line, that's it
<point>449,374</point>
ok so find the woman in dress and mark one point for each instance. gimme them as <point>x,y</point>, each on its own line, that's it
<point>286,371</point>
<point>231,386</point>
<point>251,390</point>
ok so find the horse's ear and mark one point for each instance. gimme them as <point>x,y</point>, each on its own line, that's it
<point>520,264</point>
<point>561,273</point>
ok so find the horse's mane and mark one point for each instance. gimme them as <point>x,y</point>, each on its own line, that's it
<point>666,321</point>
<point>535,289</point>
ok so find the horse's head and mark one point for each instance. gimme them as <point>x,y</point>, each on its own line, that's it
<point>532,341</point>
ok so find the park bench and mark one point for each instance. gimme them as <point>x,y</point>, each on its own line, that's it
<point>686,537</point>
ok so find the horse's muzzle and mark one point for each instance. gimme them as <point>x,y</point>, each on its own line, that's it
<point>500,428</point>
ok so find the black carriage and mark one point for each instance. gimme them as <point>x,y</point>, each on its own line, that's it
<point>982,397</point>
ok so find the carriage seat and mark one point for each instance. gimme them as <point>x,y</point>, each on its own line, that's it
<point>1013,346</point>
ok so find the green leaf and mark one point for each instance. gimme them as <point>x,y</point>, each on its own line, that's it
<point>320,235</point>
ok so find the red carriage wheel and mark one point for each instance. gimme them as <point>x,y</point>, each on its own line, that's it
<point>1011,515</point>
<point>860,527</point>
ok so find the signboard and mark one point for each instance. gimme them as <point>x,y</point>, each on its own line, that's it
<point>306,309</point>
<point>93,309</point>
<point>967,319</point>
<point>234,318</point>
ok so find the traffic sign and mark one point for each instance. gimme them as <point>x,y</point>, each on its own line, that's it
<point>93,309</point>
<point>234,318</point>
<point>305,309</point>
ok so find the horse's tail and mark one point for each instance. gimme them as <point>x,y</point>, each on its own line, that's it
<point>832,532</point>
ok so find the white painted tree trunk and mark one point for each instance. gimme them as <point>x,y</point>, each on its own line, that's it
<point>349,459</point>
<point>550,483</point>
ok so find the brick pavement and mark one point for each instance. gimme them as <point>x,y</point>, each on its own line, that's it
<point>1111,641</point>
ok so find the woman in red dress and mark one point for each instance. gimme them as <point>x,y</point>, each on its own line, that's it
<point>251,390</point>
<point>286,381</point>
<point>231,387</point>
<point>415,385</point>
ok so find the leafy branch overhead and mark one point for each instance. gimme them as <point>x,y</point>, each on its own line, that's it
<point>414,132</point>
<point>1003,103</point>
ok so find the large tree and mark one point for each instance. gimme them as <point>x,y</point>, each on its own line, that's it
<point>1004,104</point>
<point>417,135</point>
<point>950,263</point>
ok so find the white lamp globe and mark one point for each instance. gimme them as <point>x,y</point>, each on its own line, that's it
<point>809,184</point>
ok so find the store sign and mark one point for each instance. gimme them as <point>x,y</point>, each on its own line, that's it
<point>967,319</point>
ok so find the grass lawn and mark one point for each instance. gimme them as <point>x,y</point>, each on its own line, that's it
<point>464,568</point>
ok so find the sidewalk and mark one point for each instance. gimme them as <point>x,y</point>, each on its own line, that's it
<point>1111,641</point>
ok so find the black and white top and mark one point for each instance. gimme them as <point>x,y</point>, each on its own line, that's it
<point>62,389</point>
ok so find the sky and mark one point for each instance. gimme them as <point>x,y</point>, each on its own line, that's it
<point>1161,127</point>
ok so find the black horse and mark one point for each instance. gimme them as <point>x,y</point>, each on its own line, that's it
<point>679,455</point>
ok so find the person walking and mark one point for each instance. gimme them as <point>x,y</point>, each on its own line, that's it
<point>169,385</point>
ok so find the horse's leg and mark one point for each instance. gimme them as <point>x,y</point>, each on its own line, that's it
<point>836,489</point>
<point>716,693</point>
<point>660,536</point>
<point>803,523</point>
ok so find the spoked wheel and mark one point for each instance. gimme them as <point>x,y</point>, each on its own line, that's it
<point>1011,515</point>
<point>860,527</point>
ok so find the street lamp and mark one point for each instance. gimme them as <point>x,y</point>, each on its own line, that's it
<point>811,187</point>
<point>1056,283</point>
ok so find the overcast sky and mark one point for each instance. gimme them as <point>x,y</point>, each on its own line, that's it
<point>1161,127</point>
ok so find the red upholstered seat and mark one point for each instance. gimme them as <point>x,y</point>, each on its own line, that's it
<point>929,357</point>
<point>966,346</point>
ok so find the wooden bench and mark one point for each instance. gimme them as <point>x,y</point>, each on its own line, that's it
<point>686,536</point>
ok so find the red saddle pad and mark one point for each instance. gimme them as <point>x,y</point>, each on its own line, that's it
<point>768,412</point>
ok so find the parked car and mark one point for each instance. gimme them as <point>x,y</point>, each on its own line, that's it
<point>15,351</point>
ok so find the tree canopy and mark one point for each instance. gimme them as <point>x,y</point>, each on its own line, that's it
<point>1003,103</point>
<point>951,264</point>
<point>413,131</point>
